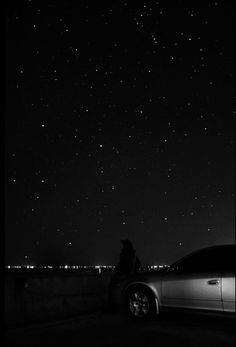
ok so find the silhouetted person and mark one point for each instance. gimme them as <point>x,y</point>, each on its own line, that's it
<point>129,264</point>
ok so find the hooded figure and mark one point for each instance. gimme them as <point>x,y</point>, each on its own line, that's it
<point>129,263</point>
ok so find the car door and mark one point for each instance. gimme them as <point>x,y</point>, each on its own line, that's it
<point>195,282</point>
<point>228,279</point>
<point>228,291</point>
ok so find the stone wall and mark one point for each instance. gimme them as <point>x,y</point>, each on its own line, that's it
<point>37,296</point>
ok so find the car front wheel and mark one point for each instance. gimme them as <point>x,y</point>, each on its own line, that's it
<point>140,303</point>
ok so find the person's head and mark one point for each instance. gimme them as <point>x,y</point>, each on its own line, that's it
<point>127,244</point>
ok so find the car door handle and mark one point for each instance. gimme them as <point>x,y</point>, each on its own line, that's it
<point>212,282</point>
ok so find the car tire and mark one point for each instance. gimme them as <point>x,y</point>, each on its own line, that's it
<point>140,303</point>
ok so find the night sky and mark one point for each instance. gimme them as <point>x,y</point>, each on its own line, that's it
<point>119,123</point>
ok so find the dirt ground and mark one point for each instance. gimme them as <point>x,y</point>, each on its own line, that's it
<point>104,329</point>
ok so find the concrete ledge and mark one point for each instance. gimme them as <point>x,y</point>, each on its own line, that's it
<point>32,296</point>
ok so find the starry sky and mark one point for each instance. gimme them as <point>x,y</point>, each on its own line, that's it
<point>119,123</point>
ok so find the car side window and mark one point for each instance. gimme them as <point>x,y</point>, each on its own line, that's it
<point>216,259</point>
<point>193,263</point>
<point>227,263</point>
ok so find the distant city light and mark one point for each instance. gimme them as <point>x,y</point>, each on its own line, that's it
<point>80,267</point>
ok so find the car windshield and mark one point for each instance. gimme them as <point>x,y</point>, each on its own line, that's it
<point>177,262</point>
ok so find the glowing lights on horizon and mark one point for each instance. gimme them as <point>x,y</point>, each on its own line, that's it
<point>60,267</point>
<point>77,267</point>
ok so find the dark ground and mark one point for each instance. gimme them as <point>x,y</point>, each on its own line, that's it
<point>105,329</point>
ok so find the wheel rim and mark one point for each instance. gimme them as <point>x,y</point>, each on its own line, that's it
<point>139,304</point>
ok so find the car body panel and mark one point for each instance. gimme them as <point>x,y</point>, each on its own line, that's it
<point>228,292</point>
<point>192,291</point>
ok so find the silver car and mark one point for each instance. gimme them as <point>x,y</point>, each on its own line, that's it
<point>203,280</point>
